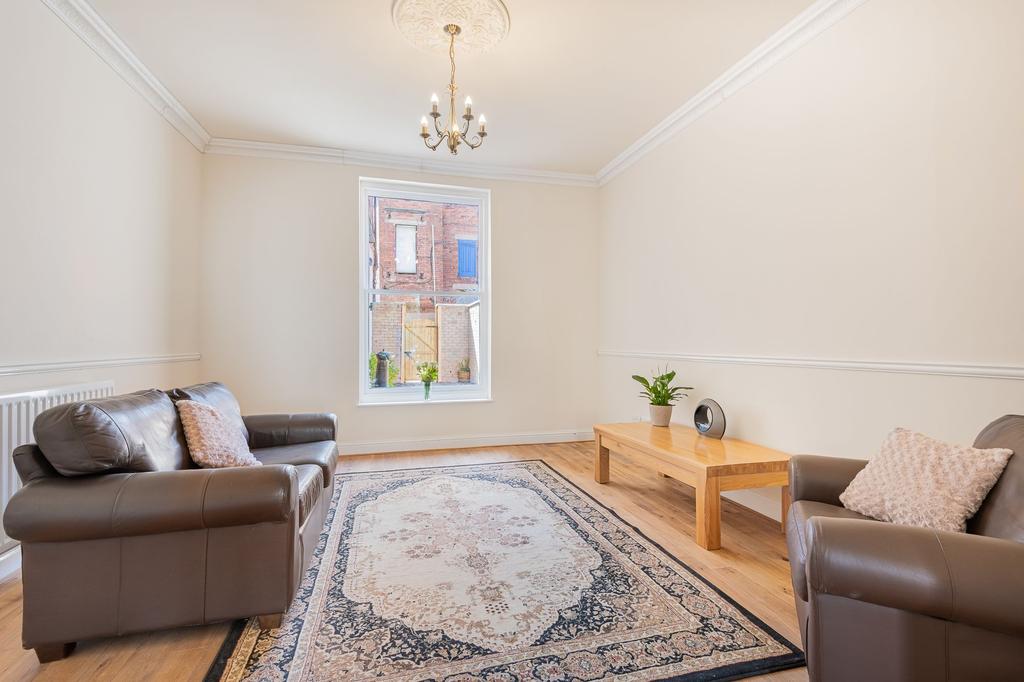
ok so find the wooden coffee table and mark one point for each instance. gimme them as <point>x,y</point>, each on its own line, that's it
<point>711,466</point>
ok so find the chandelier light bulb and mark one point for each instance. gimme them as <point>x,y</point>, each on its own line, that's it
<point>469,104</point>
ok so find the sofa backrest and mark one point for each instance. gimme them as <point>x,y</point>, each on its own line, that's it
<point>1002,513</point>
<point>217,396</point>
<point>134,432</point>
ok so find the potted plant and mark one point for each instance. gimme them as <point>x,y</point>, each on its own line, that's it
<point>428,375</point>
<point>661,394</point>
<point>464,371</point>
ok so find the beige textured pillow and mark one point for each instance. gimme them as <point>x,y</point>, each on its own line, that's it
<point>919,481</point>
<point>213,439</point>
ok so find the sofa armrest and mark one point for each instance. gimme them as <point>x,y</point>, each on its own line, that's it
<point>969,579</point>
<point>122,505</point>
<point>272,430</point>
<point>821,479</point>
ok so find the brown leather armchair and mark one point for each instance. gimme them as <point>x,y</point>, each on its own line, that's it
<point>879,601</point>
<point>120,533</point>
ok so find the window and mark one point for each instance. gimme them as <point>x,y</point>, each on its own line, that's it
<point>405,249</point>
<point>424,292</point>
<point>467,258</point>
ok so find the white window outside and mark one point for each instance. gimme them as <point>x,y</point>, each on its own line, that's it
<point>424,293</point>
<point>405,246</point>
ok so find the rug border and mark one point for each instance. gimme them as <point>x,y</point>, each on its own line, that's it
<point>735,671</point>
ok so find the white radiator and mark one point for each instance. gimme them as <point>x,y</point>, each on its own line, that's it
<point>17,412</point>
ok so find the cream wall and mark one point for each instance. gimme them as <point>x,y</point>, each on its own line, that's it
<point>280,303</point>
<point>862,200</point>
<point>99,215</point>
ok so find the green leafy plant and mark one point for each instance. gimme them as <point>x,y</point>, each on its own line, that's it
<point>427,372</point>
<point>428,375</point>
<point>659,389</point>
<point>464,365</point>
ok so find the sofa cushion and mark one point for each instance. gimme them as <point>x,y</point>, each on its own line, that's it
<point>310,486</point>
<point>1002,513</point>
<point>216,395</point>
<point>796,536</point>
<point>134,432</point>
<point>920,481</point>
<point>322,453</point>
<point>213,441</point>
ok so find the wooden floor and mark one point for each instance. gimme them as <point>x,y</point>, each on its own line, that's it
<point>751,567</point>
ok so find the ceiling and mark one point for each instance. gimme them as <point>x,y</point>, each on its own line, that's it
<point>573,84</point>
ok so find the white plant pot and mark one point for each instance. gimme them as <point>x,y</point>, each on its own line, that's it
<point>661,415</point>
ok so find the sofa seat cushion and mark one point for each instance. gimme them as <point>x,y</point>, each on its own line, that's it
<point>310,487</point>
<point>796,536</point>
<point>323,453</point>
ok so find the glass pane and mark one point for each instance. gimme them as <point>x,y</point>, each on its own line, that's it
<point>410,334</point>
<point>423,245</point>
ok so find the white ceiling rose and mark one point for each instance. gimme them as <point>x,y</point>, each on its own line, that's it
<point>484,23</point>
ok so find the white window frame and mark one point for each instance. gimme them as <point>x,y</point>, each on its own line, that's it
<point>449,194</point>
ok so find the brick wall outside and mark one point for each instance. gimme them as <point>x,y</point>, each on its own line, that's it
<point>460,222</point>
<point>455,340</point>
<point>386,330</point>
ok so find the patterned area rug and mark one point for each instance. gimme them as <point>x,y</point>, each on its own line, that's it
<point>497,572</point>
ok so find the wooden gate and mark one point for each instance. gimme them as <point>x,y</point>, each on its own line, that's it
<point>419,344</point>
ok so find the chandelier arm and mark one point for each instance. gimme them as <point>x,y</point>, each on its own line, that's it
<point>473,145</point>
<point>434,146</point>
<point>437,126</point>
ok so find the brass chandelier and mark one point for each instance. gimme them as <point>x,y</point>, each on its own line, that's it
<point>453,133</point>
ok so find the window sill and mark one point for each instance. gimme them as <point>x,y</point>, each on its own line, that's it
<point>432,401</point>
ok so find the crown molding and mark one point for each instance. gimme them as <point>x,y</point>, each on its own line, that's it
<point>97,34</point>
<point>12,369</point>
<point>807,25</point>
<point>275,150</point>
<point>81,18</point>
<point>977,371</point>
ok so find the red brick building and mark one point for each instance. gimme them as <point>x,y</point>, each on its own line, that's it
<point>423,245</point>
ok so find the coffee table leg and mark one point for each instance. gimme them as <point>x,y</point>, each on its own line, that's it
<point>600,461</point>
<point>709,512</point>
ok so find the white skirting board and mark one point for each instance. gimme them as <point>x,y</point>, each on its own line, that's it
<point>10,562</point>
<point>451,442</point>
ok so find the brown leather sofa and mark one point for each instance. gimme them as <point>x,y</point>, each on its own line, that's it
<point>878,601</point>
<point>120,533</point>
